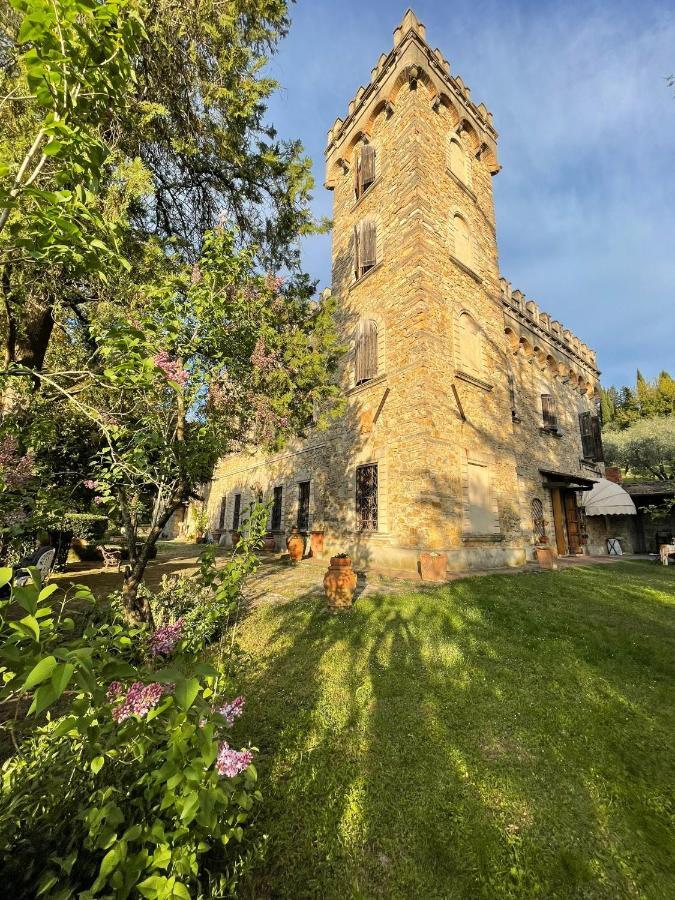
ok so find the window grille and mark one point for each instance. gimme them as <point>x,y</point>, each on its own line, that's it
<point>365,247</point>
<point>538,524</point>
<point>364,174</point>
<point>275,523</point>
<point>366,497</point>
<point>548,411</point>
<point>223,510</point>
<point>237,512</point>
<point>366,351</point>
<point>303,505</point>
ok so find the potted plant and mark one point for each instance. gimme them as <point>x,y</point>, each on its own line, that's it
<point>339,582</point>
<point>295,543</point>
<point>546,556</point>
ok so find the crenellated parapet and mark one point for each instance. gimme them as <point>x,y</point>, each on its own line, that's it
<point>538,336</point>
<point>411,61</point>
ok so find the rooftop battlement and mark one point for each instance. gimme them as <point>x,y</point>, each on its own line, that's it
<point>411,60</point>
<point>532,315</point>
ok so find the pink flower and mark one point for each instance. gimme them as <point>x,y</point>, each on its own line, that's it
<point>163,641</point>
<point>232,711</point>
<point>196,274</point>
<point>170,367</point>
<point>98,499</point>
<point>140,699</point>
<point>90,484</point>
<point>231,762</point>
<point>260,358</point>
<point>115,688</point>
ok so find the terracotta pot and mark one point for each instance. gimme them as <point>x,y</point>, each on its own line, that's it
<point>296,546</point>
<point>269,543</point>
<point>546,557</point>
<point>339,583</point>
<point>433,566</point>
<point>235,538</point>
<point>316,543</point>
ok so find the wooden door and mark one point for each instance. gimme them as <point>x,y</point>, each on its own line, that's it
<point>558,521</point>
<point>572,522</point>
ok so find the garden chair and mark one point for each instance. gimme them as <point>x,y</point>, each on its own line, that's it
<point>42,560</point>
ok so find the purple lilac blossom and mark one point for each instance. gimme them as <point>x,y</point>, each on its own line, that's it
<point>231,762</point>
<point>231,711</point>
<point>90,484</point>
<point>163,641</point>
<point>171,368</point>
<point>140,699</point>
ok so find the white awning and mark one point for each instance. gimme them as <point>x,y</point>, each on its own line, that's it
<point>608,499</point>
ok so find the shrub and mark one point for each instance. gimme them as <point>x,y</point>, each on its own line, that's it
<point>131,785</point>
<point>88,527</point>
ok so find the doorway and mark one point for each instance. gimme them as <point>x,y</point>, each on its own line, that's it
<point>566,520</point>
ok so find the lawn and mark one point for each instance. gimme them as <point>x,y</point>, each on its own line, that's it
<point>503,736</point>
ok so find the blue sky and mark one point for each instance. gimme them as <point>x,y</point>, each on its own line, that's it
<point>585,201</point>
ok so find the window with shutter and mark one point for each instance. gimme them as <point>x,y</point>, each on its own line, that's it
<point>549,412</point>
<point>366,497</point>
<point>538,523</point>
<point>587,448</point>
<point>457,160</point>
<point>237,512</point>
<point>223,511</point>
<point>596,435</point>
<point>462,237</point>
<point>275,523</point>
<point>470,345</point>
<point>303,505</point>
<point>366,351</point>
<point>367,247</point>
<point>367,167</point>
<point>481,515</point>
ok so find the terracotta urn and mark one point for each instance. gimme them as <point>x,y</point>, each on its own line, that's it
<point>433,566</point>
<point>546,557</point>
<point>296,545</point>
<point>339,583</point>
<point>269,543</point>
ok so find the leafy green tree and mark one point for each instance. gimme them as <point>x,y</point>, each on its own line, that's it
<point>646,448</point>
<point>622,408</point>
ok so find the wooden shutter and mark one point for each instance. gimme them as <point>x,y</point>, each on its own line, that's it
<point>303,505</point>
<point>357,253</point>
<point>366,498</point>
<point>481,514</point>
<point>548,411</point>
<point>596,437</point>
<point>586,435</point>
<point>367,165</point>
<point>367,246</point>
<point>357,175</point>
<point>365,364</point>
<point>275,524</point>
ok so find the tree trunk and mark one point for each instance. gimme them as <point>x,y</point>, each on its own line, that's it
<point>137,609</point>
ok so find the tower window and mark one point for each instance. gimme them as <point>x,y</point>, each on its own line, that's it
<point>470,345</point>
<point>548,410</point>
<point>458,160</point>
<point>365,247</point>
<point>462,240</point>
<point>223,511</point>
<point>365,362</point>
<point>366,497</point>
<point>364,174</point>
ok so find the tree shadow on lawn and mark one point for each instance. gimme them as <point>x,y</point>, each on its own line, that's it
<point>502,737</point>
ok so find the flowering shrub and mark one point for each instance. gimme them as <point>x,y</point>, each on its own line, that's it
<point>131,784</point>
<point>171,368</point>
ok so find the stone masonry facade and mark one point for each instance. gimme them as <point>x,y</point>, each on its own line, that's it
<point>465,428</point>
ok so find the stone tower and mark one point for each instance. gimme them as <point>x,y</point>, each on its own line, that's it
<point>428,153</point>
<point>469,424</point>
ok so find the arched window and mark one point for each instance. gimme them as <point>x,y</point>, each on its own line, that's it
<point>458,160</point>
<point>538,523</point>
<point>365,362</point>
<point>470,345</point>
<point>365,247</point>
<point>364,169</point>
<point>462,237</point>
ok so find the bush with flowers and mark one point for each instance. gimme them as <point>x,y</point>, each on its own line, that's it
<point>131,782</point>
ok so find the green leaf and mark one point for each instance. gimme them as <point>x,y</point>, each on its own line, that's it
<point>52,148</point>
<point>39,673</point>
<point>47,592</point>
<point>186,692</point>
<point>190,808</point>
<point>44,697</point>
<point>152,887</point>
<point>181,891</point>
<point>97,764</point>
<point>61,677</point>
<point>31,626</point>
<point>5,575</point>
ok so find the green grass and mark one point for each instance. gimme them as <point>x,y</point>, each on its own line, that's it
<point>504,736</point>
